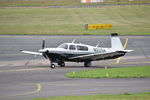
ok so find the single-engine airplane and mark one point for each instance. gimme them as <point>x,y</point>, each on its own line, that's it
<point>77,52</point>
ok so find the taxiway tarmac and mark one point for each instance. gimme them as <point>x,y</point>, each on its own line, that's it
<point>22,77</point>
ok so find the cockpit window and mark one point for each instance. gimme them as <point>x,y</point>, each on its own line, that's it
<point>83,48</point>
<point>65,46</point>
<point>72,47</point>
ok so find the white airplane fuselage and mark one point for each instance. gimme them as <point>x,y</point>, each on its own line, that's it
<point>65,54</point>
<point>77,52</point>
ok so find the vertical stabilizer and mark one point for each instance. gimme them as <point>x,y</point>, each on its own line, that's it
<point>115,42</point>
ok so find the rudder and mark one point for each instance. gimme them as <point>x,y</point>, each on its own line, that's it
<point>116,42</point>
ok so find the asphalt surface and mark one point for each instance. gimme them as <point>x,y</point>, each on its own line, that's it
<point>23,77</point>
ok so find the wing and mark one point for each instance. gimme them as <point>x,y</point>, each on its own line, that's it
<point>33,53</point>
<point>100,56</point>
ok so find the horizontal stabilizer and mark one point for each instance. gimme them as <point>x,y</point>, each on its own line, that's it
<point>126,51</point>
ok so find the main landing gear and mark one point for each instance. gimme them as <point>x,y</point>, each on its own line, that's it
<point>61,63</point>
<point>87,63</point>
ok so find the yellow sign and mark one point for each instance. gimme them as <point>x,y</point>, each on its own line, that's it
<point>98,26</point>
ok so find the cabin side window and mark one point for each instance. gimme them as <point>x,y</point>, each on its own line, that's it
<point>72,47</point>
<point>82,48</point>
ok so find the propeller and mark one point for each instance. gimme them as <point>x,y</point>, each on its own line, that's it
<point>43,44</point>
<point>44,53</point>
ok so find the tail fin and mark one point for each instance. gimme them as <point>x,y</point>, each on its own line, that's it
<point>115,42</point>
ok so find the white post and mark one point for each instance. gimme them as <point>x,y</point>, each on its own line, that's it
<point>107,75</point>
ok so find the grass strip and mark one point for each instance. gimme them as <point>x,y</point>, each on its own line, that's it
<point>125,96</point>
<point>15,3</point>
<point>127,20</point>
<point>126,72</point>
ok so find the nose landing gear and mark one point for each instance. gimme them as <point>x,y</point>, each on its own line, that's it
<point>60,63</point>
<point>52,66</point>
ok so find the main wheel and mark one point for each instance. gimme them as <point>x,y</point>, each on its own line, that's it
<point>61,64</point>
<point>53,66</point>
<point>87,63</point>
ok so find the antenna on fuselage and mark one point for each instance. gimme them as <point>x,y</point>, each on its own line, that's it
<point>73,40</point>
<point>97,45</point>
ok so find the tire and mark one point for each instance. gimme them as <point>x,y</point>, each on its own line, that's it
<point>87,63</point>
<point>61,64</point>
<point>53,66</point>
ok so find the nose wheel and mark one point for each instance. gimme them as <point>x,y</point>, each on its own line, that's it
<point>53,66</point>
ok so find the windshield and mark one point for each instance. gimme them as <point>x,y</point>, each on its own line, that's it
<point>65,46</point>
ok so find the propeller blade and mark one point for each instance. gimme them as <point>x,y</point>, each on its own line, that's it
<point>45,54</point>
<point>43,44</point>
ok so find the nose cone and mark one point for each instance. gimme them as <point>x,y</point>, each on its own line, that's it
<point>42,50</point>
<point>52,50</point>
